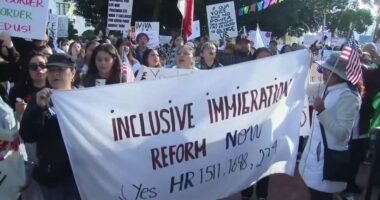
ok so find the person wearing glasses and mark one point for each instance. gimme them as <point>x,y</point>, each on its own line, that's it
<point>32,80</point>
<point>39,124</point>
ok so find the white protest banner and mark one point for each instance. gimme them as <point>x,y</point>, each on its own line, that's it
<point>149,73</point>
<point>265,35</point>
<point>152,29</point>
<point>119,14</point>
<point>12,169</point>
<point>196,30</point>
<point>53,27</point>
<point>305,118</point>
<point>222,20</point>
<point>25,19</point>
<point>175,138</point>
<point>63,26</point>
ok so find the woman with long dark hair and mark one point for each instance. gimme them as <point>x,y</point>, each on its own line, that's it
<point>32,79</point>
<point>106,68</point>
<point>151,58</point>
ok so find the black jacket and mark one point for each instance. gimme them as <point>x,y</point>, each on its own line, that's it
<point>41,126</point>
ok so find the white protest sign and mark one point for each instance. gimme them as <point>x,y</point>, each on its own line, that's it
<point>196,30</point>
<point>119,14</point>
<point>265,35</point>
<point>164,39</point>
<point>63,26</point>
<point>53,27</point>
<point>25,19</point>
<point>175,138</point>
<point>152,29</point>
<point>222,21</point>
<point>305,118</point>
<point>149,73</point>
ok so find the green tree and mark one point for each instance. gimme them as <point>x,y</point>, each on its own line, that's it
<point>358,19</point>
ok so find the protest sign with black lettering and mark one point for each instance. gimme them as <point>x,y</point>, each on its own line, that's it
<point>53,27</point>
<point>152,29</point>
<point>179,138</point>
<point>63,26</point>
<point>149,73</point>
<point>222,21</point>
<point>25,19</point>
<point>119,15</point>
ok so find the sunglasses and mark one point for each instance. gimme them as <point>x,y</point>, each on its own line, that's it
<point>35,66</point>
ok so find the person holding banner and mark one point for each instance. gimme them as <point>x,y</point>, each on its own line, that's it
<point>124,48</point>
<point>263,184</point>
<point>335,117</point>
<point>185,58</point>
<point>39,124</point>
<point>151,58</point>
<point>106,68</point>
<point>12,168</point>
<point>208,57</point>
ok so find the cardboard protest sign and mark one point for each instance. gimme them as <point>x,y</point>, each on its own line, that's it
<point>63,27</point>
<point>25,19</point>
<point>53,27</point>
<point>152,29</point>
<point>179,139</point>
<point>196,30</point>
<point>148,73</point>
<point>222,20</point>
<point>119,15</point>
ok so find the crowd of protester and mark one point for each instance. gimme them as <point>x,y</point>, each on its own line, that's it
<point>30,70</point>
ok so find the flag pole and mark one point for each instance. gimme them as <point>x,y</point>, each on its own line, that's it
<point>336,63</point>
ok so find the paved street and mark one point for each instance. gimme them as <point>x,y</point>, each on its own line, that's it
<point>284,187</point>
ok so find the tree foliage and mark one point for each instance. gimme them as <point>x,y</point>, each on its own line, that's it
<point>291,16</point>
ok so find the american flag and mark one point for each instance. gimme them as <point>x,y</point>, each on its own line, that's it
<point>124,68</point>
<point>350,54</point>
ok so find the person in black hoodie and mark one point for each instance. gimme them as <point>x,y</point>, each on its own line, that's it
<point>39,124</point>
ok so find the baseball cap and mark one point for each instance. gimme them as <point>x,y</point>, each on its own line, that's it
<point>60,60</point>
